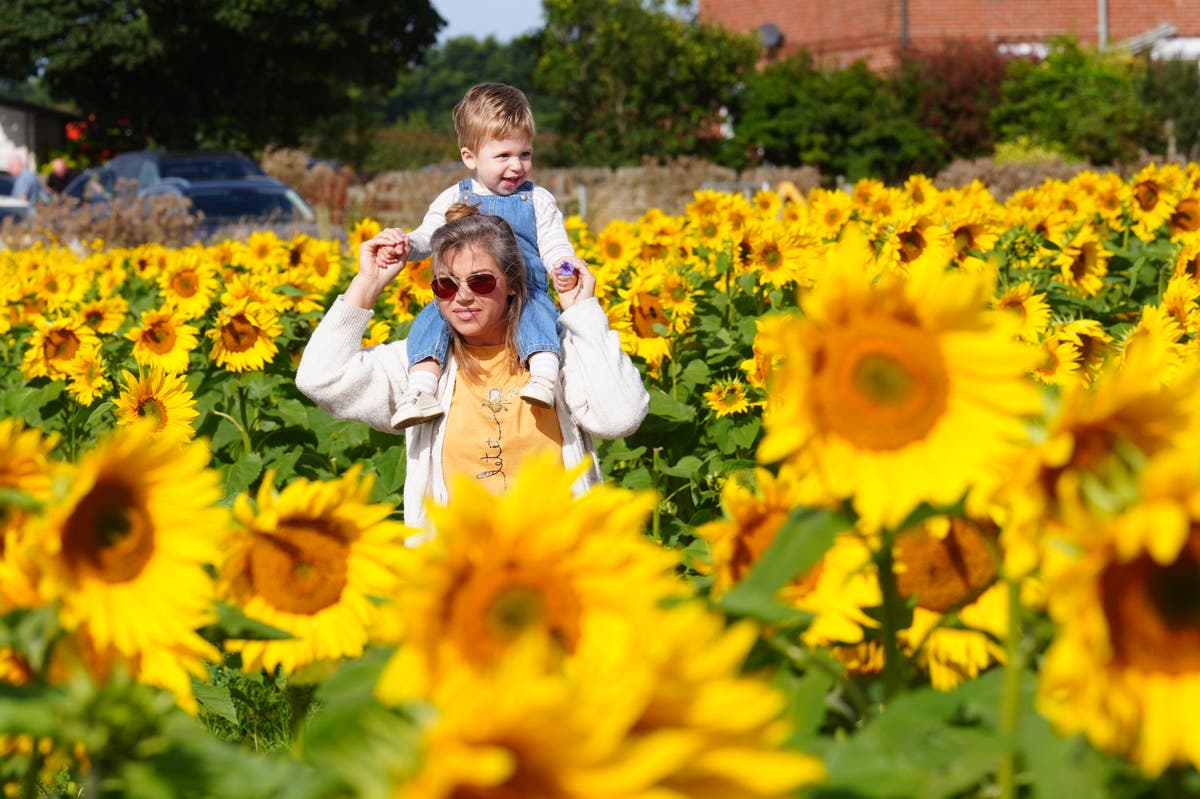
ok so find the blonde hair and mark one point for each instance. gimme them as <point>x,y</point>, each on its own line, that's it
<point>466,228</point>
<point>492,111</point>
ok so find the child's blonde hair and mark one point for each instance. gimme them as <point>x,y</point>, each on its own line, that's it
<point>492,111</point>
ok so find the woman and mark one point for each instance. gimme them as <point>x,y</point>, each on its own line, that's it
<point>479,283</point>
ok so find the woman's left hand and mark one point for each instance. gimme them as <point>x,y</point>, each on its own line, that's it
<point>585,287</point>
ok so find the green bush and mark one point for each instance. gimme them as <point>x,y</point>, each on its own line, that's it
<point>1079,101</point>
<point>847,122</point>
<point>1171,90</point>
<point>950,91</point>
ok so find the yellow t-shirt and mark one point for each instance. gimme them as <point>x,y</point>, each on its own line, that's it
<point>490,430</point>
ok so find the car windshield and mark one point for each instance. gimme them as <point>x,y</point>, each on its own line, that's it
<point>248,202</point>
<point>209,168</point>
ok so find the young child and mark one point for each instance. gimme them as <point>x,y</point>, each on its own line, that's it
<point>495,130</point>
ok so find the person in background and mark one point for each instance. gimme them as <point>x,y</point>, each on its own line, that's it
<point>60,175</point>
<point>495,130</point>
<point>484,433</point>
<point>26,185</point>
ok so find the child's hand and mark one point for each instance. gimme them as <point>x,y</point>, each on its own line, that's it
<point>397,252</point>
<point>566,274</point>
<point>583,285</point>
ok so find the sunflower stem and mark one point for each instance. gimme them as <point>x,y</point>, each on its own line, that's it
<point>894,665</point>
<point>299,698</point>
<point>656,516</point>
<point>1010,700</point>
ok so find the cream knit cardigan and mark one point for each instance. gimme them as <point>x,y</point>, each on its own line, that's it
<point>600,393</point>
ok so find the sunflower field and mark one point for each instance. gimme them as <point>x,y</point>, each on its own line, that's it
<point>915,513</point>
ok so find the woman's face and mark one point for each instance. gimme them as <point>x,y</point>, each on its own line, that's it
<point>479,318</point>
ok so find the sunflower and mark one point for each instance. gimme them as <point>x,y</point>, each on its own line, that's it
<point>164,340</point>
<point>1094,343</point>
<point>679,297</point>
<point>379,333</point>
<point>829,211</point>
<point>1112,199</point>
<point>533,560</point>
<point>319,264</point>
<point>671,717</point>
<point>765,360</point>
<point>363,229</point>
<point>947,565</point>
<point>147,260</point>
<point>1125,659</point>
<point>1060,362</point>
<point>1031,309</point>
<point>411,290</point>
<point>1180,300</point>
<point>1153,193</point>
<point>1127,411</point>
<point>1187,260</point>
<point>725,728</point>
<point>26,466</point>
<point>160,399</point>
<point>86,380</point>
<point>779,254</point>
<point>188,283</point>
<point>639,318</point>
<point>884,379</point>
<point>727,397</point>
<point>53,346</point>
<point>1083,262</point>
<point>922,193</point>
<point>915,239</point>
<point>244,336</point>
<point>105,315</point>
<point>311,560</point>
<point>264,251</point>
<point>1184,222</point>
<point>767,203</point>
<point>126,553</point>
<point>1158,331</point>
<point>615,245</point>
<point>974,233</point>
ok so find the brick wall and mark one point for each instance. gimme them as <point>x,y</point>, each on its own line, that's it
<point>845,30</point>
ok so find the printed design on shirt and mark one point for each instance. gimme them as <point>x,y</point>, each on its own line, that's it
<point>496,402</point>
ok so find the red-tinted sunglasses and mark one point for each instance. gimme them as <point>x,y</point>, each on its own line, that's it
<point>480,283</point>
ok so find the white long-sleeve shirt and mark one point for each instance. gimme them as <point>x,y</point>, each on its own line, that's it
<point>553,243</point>
<point>600,393</point>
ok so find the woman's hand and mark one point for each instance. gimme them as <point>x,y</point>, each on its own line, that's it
<point>585,285</point>
<point>380,259</point>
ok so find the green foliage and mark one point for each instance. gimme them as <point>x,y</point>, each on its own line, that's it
<point>846,122</point>
<point>1078,100</point>
<point>425,96</point>
<point>632,80</point>
<point>1026,151</point>
<point>229,72</point>
<point>950,91</point>
<point>1171,89</point>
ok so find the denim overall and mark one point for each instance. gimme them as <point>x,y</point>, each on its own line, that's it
<point>537,329</point>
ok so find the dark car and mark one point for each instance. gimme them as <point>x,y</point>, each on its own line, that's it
<point>148,167</point>
<point>94,185</point>
<point>232,208</point>
<point>6,183</point>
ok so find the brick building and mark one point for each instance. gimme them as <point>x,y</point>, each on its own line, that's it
<point>875,30</point>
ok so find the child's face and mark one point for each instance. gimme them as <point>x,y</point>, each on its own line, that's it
<point>501,164</point>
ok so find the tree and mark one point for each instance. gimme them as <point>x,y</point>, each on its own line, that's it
<point>1079,101</point>
<point>426,94</point>
<point>846,122</point>
<point>239,73</point>
<point>633,80</point>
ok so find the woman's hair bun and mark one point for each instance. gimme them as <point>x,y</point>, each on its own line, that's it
<point>459,210</point>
